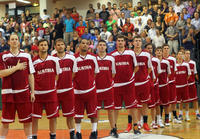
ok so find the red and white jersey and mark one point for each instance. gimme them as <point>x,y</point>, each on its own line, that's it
<point>193,69</point>
<point>87,67</point>
<point>144,63</point>
<point>165,70</point>
<point>46,71</point>
<point>156,68</point>
<point>18,81</point>
<point>68,66</point>
<point>182,73</point>
<point>104,80</point>
<point>125,63</point>
<point>173,68</point>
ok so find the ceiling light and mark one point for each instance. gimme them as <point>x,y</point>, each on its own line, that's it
<point>24,1</point>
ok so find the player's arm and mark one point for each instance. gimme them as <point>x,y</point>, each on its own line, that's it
<point>57,77</point>
<point>197,77</point>
<point>7,72</point>
<point>113,75</point>
<point>31,84</point>
<point>189,72</point>
<point>136,69</point>
<point>149,70</point>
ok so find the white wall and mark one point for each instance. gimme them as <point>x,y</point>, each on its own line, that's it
<point>2,10</point>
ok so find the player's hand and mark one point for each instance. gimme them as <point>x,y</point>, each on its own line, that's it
<point>32,97</point>
<point>21,66</point>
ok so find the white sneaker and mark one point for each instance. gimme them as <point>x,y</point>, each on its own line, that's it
<point>187,119</point>
<point>160,123</point>
<point>167,124</point>
<point>154,125</point>
<point>177,121</point>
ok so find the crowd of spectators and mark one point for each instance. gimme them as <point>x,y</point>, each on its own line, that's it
<point>177,24</point>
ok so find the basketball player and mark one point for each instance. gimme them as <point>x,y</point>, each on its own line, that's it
<point>85,89</point>
<point>47,70</point>
<point>65,91</point>
<point>155,97</point>
<point>104,84</point>
<point>182,75</point>
<point>172,86</point>
<point>191,83</point>
<point>16,70</point>
<point>163,85</point>
<point>142,81</point>
<point>124,87</point>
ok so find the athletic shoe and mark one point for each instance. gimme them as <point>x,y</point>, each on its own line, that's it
<point>128,129</point>
<point>72,135</point>
<point>113,133</point>
<point>154,125</point>
<point>180,117</point>
<point>78,135</point>
<point>187,119</point>
<point>160,123</point>
<point>177,121</point>
<point>93,135</point>
<point>198,116</point>
<point>146,127</point>
<point>136,130</point>
<point>167,123</point>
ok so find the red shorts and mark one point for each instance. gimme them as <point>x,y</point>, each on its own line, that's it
<point>192,92</point>
<point>24,111</point>
<point>86,101</point>
<point>182,94</point>
<point>152,104</point>
<point>164,95</point>
<point>51,108</point>
<point>107,98</point>
<point>66,100</point>
<point>143,93</point>
<point>127,94</point>
<point>172,93</point>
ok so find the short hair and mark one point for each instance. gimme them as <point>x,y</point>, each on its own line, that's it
<point>120,37</point>
<point>45,10</point>
<point>165,45</point>
<point>157,48</point>
<point>101,41</point>
<point>147,44</point>
<point>42,40</point>
<point>59,40</point>
<point>137,37</point>
<point>12,35</point>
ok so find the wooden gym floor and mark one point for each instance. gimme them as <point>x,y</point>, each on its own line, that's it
<point>186,130</point>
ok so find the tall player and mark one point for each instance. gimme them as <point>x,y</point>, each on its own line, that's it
<point>191,85</point>
<point>163,85</point>
<point>172,84</point>
<point>16,69</point>
<point>155,97</point>
<point>142,81</point>
<point>65,91</point>
<point>124,87</point>
<point>47,70</point>
<point>182,75</point>
<point>85,89</point>
<point>104,84</point>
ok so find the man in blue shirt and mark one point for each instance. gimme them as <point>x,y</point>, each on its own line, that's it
<point>69,29</point>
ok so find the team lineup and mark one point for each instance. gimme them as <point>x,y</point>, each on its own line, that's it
<point>139,80</point>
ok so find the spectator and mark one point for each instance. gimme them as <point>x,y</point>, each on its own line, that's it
<point>45,16</point>
<point>110,23</point>
<point>187,27</point>
<point>178,7</point>
<point>92,28</point>
<point>97,20</point>
<point>158,40</point>
<point>80,29</point>
<point>191,9</point>
<point>121,21</point>
<point>129,25</point>
<point>3,45</point>
<point>86,35</point>
<point>75,14</point>
<point>115,12</point>
<point>152,31</point>
<point>189,42</point>
<point>186,14</point>
<point>171,16</point>
<point>172,37</point>
<point>130,6</point>
<point>91,15</point>
<point>196,22</point>
<point>180,26</point>
<point>111,45</point>
<point>28,16</point>
<point>126,11</point>
<point>148,26</point>
<point>115,33</point>
<point>41,30</point>
<point>159,24</point>
<point>98,10</point>
<point>121,6</point>
<point>104,14</point>
<point>146,16</point>
<point>105,34</point>
<point>81,19</point>
<point>59,29</point>
<point>69,28</point>
<point>165,8</point>
<point>139,24</point>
